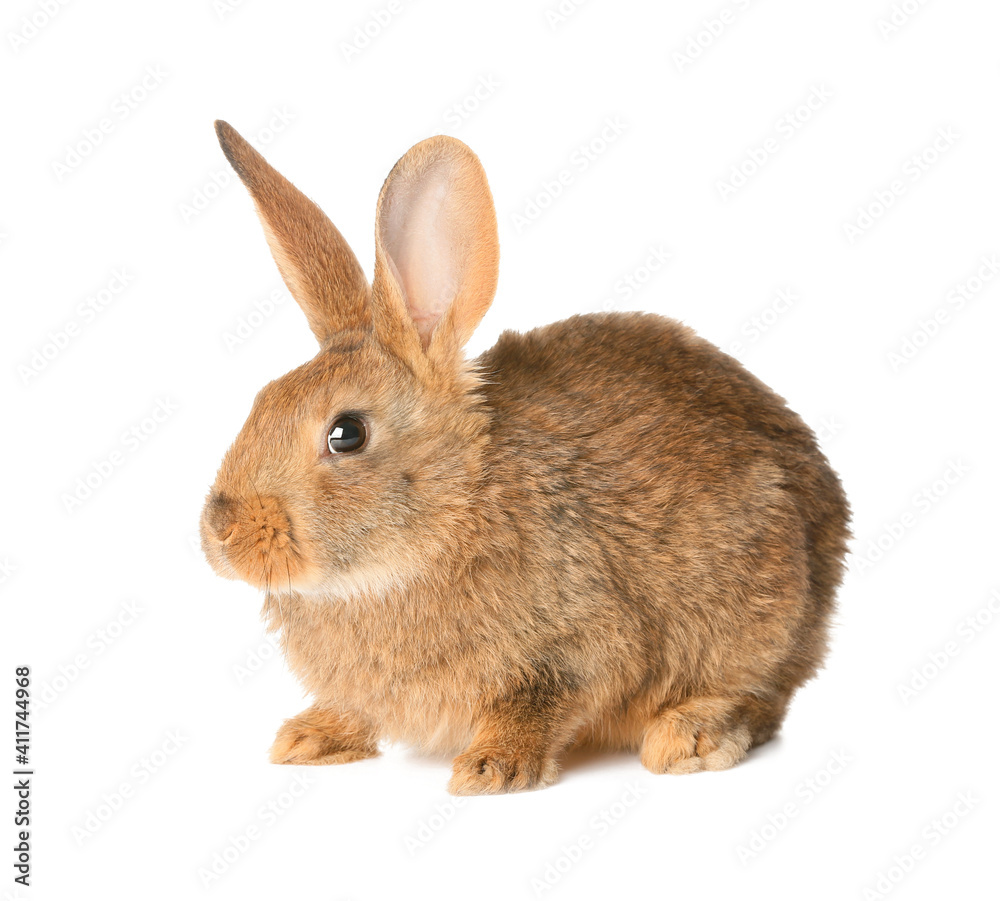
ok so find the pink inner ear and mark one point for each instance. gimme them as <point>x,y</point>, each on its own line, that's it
<point>419,235</point>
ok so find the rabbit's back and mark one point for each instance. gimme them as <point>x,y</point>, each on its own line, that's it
<point>688,530</point>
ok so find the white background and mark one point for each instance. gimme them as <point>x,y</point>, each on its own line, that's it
<point>145,201</point>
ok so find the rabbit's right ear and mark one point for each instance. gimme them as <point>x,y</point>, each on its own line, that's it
<point>318,266</point>
<point>436,249</point>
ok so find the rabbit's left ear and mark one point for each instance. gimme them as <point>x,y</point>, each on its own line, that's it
<point>436,247</point>
<point>315,261</point>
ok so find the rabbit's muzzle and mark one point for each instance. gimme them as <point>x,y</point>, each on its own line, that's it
<point>251,539</point>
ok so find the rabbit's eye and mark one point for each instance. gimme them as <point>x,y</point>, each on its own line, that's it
<point>347,434</point>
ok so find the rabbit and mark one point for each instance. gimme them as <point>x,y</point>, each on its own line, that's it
<point>600,533</point>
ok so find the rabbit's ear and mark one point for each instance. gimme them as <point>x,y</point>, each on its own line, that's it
<point>436,247</point>
<point>315,261</point>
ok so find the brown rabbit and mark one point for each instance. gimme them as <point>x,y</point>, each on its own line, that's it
<point>602,532</point>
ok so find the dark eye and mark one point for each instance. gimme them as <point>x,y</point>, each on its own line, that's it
<point>347,434</point>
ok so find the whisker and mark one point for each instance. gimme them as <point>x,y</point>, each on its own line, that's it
<point>288,574</point>
<point>267,588</point>
<point>242,499</point>
<point>255,491</point>
<point>281,617</point>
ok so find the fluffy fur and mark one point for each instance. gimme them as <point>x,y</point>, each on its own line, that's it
<point>604,531</point>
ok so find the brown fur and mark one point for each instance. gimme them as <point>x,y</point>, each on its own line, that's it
<point>604,531</point>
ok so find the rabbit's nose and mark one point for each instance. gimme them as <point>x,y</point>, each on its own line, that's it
<point>220,515</point>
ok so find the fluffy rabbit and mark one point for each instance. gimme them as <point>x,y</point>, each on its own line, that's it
<point>603,532</point>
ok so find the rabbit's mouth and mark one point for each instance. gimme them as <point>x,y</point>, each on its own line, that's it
<point>253,540</point>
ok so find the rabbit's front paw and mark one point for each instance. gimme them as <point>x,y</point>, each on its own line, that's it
<point>318,737</point>
<point>494,771</point>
